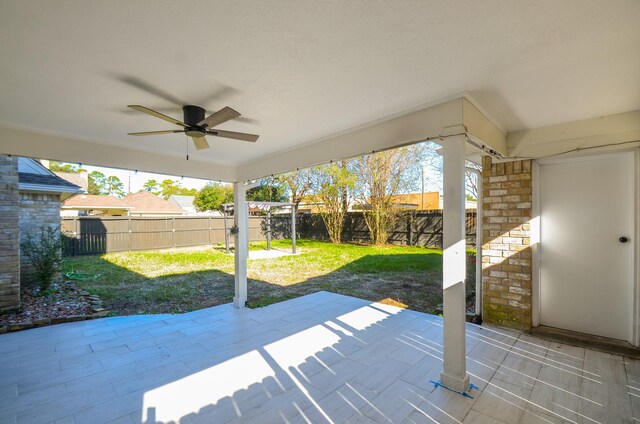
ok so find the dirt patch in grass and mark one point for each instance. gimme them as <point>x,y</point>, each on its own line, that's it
<point>417,291</point>
<point>170,295</point>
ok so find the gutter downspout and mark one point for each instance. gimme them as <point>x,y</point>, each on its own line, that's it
<point>478,318</point>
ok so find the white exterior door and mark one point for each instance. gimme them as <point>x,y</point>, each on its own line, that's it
<point>586,269</point>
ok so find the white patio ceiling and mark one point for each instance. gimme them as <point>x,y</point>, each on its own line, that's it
<point>301,72</point>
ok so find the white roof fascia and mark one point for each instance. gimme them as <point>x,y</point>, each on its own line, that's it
<point>47,188</point>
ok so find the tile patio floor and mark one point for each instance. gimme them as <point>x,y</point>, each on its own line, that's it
<point>319,358</point>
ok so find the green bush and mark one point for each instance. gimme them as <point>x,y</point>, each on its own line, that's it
<point>43,250</point>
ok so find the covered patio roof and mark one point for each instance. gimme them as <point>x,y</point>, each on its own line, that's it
<point>317,82</point>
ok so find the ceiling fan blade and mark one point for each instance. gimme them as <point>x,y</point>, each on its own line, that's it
<point>157,114</point>
<point>217,118</point>
<point>149,88</point>
<point>156,132</point>
<point>234,135</point>
<point>200,142</point>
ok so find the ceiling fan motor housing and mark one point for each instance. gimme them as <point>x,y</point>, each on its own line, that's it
<point>193,115</point>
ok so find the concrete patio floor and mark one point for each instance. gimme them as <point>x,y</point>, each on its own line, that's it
<point>319,358</point>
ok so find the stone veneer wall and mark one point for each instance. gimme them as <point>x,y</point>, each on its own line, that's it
<point>506,248</point>
<point>9,235</point>
<point>36,210</point>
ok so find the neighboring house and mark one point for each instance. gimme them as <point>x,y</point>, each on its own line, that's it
<point>40,191</point>
<point>409,201</point>
<point>312,204</point>
<point>94,205</point>
<point>30,197</point>
<point>147,204</point>
<point>186,204</point>
<point>423,201</point>
<point>81,179</point>
<point>35,179</point>
<point>357,207</point>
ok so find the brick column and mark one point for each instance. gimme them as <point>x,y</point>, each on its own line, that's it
<point>506,248</point>
<point>9,235</point>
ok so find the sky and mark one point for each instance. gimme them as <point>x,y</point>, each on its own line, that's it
<point>134,180</point>
<point>137,179</point>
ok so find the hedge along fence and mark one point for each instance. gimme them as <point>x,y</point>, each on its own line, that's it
<point>95,235</point>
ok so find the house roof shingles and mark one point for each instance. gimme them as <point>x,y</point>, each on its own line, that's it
<point>52,182</point>
<point>95,202</point>
<point>145,202</point>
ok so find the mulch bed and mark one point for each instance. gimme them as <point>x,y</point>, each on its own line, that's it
<point>65,302</point>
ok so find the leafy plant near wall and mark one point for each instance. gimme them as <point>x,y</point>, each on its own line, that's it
<point>43,250</point>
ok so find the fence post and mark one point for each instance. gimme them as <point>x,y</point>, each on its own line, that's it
<point>173,231</point>
<point>293,229</point>
<point>76,237</point>
<point>226,232</point>
<point>130,241</point>
<point>268,229</point>
<point>409,233</point>
<point>209,231</point>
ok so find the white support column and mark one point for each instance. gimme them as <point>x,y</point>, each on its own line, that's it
<point>454,374</point>
<point>240,219</point>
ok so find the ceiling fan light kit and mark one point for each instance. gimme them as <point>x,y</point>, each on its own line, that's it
<point>196,126</point>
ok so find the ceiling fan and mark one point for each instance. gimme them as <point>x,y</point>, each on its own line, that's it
<point>196,126</point>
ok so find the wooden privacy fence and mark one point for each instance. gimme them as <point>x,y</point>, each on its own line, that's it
<point>94,235</point>
<point>412,228</point>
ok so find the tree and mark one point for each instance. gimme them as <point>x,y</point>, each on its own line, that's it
<point>431,167</point>
<point>298,182</point>
<point>212,196</point>
<point>97,181</point>
<point>471,180</point>
<point>151,186</point>
<point>433,162</point>
<point>101,185</point>
<point>170,187</point>
<point>269,190</point>
<point>380,176</point>
<point>65,167</point>
<point>113,186</point>
<point>334,182</point>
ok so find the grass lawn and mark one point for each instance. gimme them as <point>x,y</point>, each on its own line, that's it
<point>181,280</point>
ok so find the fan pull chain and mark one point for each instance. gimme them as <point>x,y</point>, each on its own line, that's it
<point>187,144</point>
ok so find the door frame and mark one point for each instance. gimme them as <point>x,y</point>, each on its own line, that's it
<point>634,300</point>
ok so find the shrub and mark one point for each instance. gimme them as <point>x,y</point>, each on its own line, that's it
<point>43,250</point>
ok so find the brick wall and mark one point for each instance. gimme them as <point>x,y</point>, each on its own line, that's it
<point>9,235</point>
<point>36,210</point>
<point>506,254</point>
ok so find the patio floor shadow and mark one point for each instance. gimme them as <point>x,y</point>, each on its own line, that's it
<point>320,358</point>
